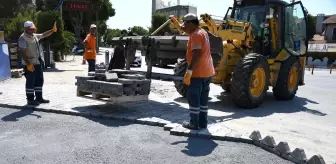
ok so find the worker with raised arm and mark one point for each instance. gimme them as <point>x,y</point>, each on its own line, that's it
<point>33,60</point>
<point>199,72</point>
<point>90,48</point>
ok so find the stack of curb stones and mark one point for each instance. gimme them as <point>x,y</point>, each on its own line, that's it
<point>112,84</point>
<point>268,143</point>
<point>282,149</point>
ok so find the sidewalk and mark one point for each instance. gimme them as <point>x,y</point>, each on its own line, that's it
<point>160,110</point>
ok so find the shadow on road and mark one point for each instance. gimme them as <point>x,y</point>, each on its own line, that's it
<point>19,114</point>
<point>269,107</point>
<point>141,110</point>
<point>197,147</point>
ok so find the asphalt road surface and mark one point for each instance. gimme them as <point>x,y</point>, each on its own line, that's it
<point>37,137</point>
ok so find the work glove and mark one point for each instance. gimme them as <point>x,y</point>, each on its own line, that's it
<point>54,29</point>
<point>30,67</point>
<point>187,77</point>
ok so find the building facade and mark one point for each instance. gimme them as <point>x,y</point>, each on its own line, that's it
<point>330,28</point>
<point>178,10</point>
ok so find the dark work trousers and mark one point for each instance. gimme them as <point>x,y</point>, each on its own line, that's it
<point>34,82</point>
<point>198,93</point>
<point>92,64</point>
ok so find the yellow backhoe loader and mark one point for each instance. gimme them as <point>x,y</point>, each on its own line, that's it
<point>260,44</point>
<point>264,45</point>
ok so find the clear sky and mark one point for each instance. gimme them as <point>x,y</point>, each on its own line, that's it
<point>138,12</point>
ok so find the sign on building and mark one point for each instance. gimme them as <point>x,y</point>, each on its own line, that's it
<point>78,6</point>
<point>317,48</point>
<point>331,47</point>
<point>328,47</point>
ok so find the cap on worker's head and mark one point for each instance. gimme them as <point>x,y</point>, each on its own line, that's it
<point>190,17</point>
<point>93,26</point>
<point>30,25</point>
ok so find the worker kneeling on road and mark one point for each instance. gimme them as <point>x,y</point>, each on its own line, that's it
<point>199,72</point>
<point>33,61</point>
<point>90,48</point>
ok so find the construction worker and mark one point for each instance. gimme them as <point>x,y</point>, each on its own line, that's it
<point>199,72</point>
<point>90,48</point>
<point>33,60</point>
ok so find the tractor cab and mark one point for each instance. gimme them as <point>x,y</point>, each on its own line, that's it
<point>275,25</point>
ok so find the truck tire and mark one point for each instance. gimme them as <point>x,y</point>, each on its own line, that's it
<point>250,81</point>
<point>288,79</point>
<point>179,70</point>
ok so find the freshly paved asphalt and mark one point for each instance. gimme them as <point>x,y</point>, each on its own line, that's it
<point>37,137</point>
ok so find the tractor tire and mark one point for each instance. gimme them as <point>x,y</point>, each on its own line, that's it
<point>226,87</point>
<point>288,79</point>
<point>179,70</point>
<point>252,66</point>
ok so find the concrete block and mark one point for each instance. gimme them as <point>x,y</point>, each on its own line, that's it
<point>111,77</point>
<point>134,76</point>
<point>207,133</point>
<point>91,73</point>
<point>299,154</point>
<point>316,159</point>
<point>269,141</point>
<point>84,78</point>
<point>179,131</point>
<point>190,133</point>
<point>245,139</point>
<point>120,71</point>
<point>100,71</point>
<point>221,134</point>
<point>255,135</point>
<point>170,126</point>
<point>125,81</point>
<point>143,82</point>
<point>233,136</point>
<point>283,148</point>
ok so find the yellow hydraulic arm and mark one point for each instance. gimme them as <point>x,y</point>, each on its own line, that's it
<point>175,23</point>
<point>211,24</point>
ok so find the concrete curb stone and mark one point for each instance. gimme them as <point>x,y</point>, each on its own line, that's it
<point>316,159</point>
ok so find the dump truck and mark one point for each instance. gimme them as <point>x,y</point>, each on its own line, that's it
<point>261,44</point>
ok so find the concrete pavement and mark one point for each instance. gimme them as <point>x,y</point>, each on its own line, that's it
<point>38,137</point>
<point>306,122</point>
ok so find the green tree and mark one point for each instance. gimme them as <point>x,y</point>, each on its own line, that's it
<point>14,28</point>
<point>138,30</point>
<point>157,20</point>
<point>311,26</point>
<point>110,33</point>
<point>45,21</point>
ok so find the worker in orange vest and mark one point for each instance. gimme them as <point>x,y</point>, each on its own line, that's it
<point>90,48</point>
<point>199,72</point>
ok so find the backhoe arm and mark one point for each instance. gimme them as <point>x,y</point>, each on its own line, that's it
<point>175,23</point>
<point>206,18</point>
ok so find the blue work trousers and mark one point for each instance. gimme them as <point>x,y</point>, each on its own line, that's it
<point>92,65</point>
<point>34,82</point>
<point>198,94</point>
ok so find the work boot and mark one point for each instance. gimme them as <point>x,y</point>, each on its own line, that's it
<point>43,101</point>
<point>203,120</point>
<point>33,103</point>
<point>193,124</point>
